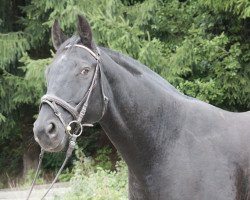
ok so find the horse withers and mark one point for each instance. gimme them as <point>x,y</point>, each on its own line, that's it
<point>176,147</point>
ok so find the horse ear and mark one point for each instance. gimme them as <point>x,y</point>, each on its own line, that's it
<point>84,31</point>
<point>58,36</point>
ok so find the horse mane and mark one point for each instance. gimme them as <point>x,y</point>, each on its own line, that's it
<point>137,68</point>
<point>127,62</point>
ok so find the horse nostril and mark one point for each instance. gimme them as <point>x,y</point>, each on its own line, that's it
<point>51,128</point>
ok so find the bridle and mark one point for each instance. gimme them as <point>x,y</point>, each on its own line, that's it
<point>54,101</point>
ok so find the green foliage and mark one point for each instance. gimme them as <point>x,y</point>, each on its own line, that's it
<point>210,64</point>
<point>102,158</point>
<point>241,8</point>
<point>28,179</point>
<point>65,176</point>
<point>96,183</point>
<point>115,25</point>
<point>10,156</point>
<point>53,160</point>
<point>33,81</point>
<point>174,18</point>
<point>90,142</point>
<point>13,44</point>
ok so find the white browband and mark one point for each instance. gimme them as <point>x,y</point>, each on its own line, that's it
<point>96,56</point>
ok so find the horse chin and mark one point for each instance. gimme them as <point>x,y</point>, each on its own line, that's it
<point>56,149</point>
<point>55,146</point>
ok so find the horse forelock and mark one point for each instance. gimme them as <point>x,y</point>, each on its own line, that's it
<point>69,42</point>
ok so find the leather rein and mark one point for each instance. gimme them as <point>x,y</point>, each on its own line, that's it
<point>74,128</point>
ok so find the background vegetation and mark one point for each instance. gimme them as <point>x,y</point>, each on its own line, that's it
<point>202,47</point>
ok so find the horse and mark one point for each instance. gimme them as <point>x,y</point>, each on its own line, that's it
<point>176,147</point>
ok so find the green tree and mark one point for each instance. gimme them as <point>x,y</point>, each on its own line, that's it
<point>210,60</point>
<point>15,118</point>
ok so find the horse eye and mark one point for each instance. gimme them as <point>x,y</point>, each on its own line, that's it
<point>85,71</point>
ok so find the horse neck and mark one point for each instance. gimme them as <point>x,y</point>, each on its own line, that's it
<point>137,115</point>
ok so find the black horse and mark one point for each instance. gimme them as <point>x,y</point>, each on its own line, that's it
<point>176,147</point>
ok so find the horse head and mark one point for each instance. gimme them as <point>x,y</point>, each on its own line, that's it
<point>74,92</point>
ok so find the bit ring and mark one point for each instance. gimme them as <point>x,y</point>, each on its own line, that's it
<point>78,128</point>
